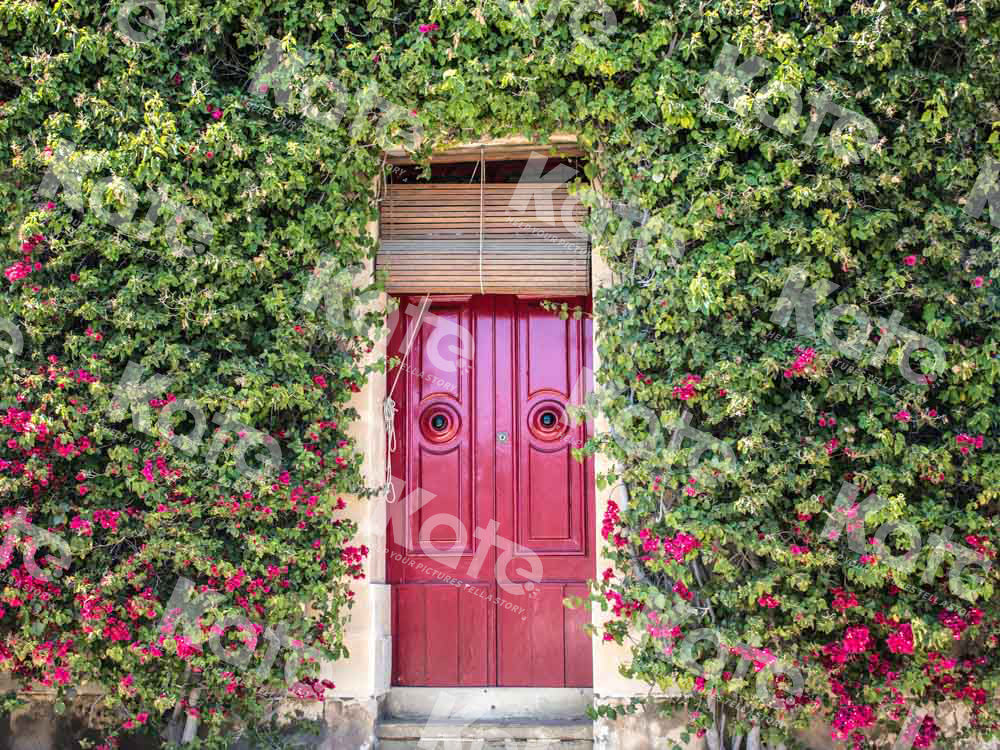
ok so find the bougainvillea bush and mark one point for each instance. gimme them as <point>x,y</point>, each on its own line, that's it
<point>165,211</point>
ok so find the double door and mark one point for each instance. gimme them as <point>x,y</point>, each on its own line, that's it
<point>492,524</point>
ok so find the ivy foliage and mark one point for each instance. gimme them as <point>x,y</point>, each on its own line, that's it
<point>266,188</point>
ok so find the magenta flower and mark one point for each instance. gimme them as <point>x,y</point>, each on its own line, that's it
<point>977,282</point>
<point>426,28</point>
<point>216,114</point>
<point>910,260</point>
<point>856,640</point>
<point>901,416</point>
<point>681,590</point>
<point>901,640</point>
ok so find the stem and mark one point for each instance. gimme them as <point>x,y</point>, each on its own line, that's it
<point>191,725</point>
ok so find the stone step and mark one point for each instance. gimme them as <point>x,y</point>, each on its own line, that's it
<point>488,703</point>
<point>509,734</point>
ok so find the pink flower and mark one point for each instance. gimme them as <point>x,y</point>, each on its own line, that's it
<point>426,28</point>
<point>177,79</point>
<point>803,360</point>
<point>83,490</point>
<point>766,600</point>
<point>141,717</point>
<point>901,416</point>
<point>17,271</point>
<point>977,282</point>
<point>910,260</point>
<point>74,277</point>
<point>216,114</point>
<point>685,390</point>
<point>209,154</point>
<point>856,640</point>
<point>901,640</point>
<point>320,381</point>
<point>49,206</point>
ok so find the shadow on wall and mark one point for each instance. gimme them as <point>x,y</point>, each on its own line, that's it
<point>37,727</point>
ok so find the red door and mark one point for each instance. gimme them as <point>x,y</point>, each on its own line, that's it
<point>493,524</point>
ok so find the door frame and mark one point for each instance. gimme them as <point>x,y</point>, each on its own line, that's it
<point>367,672</point>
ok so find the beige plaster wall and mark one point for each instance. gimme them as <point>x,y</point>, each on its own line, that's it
<point>365,673</point>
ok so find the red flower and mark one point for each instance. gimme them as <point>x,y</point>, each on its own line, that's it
<point>843,600</point>
<point>682,591</point>
<point>209,154</point>
<point>320,381</point>
<point>74,277</point>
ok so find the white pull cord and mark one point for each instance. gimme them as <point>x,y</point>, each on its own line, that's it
<point>389,406</point>
<point>482,184</point>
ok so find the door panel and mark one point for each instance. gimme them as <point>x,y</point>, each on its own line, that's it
<point>460,621</point>
<point>493,524</point>
<point>546,646</point>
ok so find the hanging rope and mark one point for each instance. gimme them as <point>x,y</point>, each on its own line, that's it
<point>482,187</point>
<point>389,405</point>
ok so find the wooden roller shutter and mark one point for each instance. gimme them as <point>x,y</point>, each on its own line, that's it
<point>494,238</point>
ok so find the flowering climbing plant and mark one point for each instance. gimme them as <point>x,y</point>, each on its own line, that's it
<point>798,346</point>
